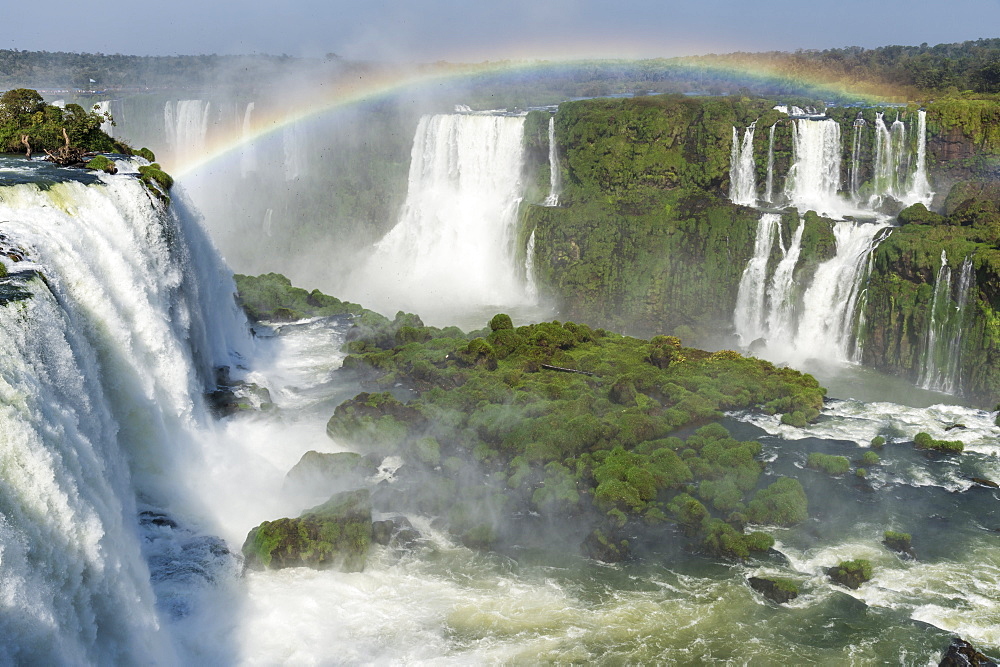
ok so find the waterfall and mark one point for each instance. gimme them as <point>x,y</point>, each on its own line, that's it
<point>829,306</point>
<point>531,287</point>
<point>555,179</point>
<point>943,340</point>
<point>769,186</point>
<point>920,187</point>
<point>742,169</point>
<point>855,168</point>
<point>749,316</point>
<point>105,354</point>
<point>186,124</point>
<point>814,177</point>
<point>819,321</point>
<point>781,308</point>
<point>248,153</point>
<point>453,247</point>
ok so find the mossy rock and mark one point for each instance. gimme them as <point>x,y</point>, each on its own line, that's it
<point>336,534</point>
<point>101,163</point>
<point>605,547</point>
<point>146,154</point>
<point>781,591</point>
<point>851,573</point>
<point>925,441</point>
<point>899,542</point>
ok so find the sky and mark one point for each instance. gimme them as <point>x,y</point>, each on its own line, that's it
<point>474,30</point>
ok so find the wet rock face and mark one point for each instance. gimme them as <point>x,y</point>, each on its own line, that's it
<point>963,654</point>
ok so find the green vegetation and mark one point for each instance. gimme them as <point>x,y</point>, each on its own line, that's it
<point>878,442</point>
<point>642,240</point>
<point>24,116</point>
<point>901,542</point>
<point>831,465</point>
<point>156,180</point>
<point>851,573</point>
<point>271,297</point>
<point>925,441</point>
<point>870,458</point>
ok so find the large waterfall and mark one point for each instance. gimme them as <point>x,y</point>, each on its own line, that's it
<point>742,172</point>
<point>798,311</point>
<point>106,351</point>
<point>814,177</point>
<point>795,315</point>
<point>453,247</point>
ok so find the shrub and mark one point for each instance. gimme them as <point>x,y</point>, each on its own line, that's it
<point>878,442</point>
<point>783,503</point>
<point>831,465</point>
<point>870,458</point>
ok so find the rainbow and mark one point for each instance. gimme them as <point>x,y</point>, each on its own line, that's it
<point>374,83</point>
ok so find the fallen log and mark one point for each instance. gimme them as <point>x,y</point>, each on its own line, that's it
<point>565,370</point>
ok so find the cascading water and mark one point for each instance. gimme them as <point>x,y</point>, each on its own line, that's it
<point>531,287</point>
<point>106,351</point>
<point>943,340</point>
<point>555,180</point>
<point>814,177</point>
<point>769,183</point>
<point>829,306</point>
<point>742,169</point>
<point>186,124</point>
<point>890,148</point>
<point>781,306</point>
<point>920,187</point>
<point>453,247</point>
<point>855,168</point>
<point>748,318</point>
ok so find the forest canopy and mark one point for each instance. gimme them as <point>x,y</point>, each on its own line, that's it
<point>25,117</point>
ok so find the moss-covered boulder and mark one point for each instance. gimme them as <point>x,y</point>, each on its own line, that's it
<point>376,421</point>
<point>851,573</point>
<point>781,591</point>
<point>898,542</point>
<point>925,441</point>
<point>101,163</point>
<point>336,534</point>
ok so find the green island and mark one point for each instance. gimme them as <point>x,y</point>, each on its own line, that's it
<point>556,420</point>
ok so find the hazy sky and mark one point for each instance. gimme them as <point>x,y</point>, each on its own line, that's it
<point>475,30</point>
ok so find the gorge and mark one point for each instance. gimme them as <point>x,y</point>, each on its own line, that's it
<point>869,244</point>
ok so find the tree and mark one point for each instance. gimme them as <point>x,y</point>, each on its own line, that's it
<point>20,102</point>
